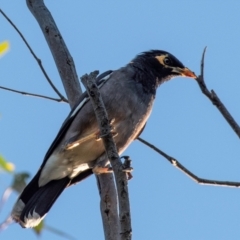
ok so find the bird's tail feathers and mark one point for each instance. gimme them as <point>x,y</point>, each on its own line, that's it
<point>40,203</point>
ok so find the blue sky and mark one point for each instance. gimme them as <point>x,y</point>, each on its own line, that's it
<point>106,35</point>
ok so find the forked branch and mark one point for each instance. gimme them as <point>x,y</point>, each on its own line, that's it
<point>62,57</point>
<point>212,96</point>
<point>179,166</point>
<point>35,57</point>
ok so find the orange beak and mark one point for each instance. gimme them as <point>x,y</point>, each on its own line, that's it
<point>185,72</point>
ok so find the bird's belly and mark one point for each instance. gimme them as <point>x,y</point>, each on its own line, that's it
<point>71,162</point>
<point>127,130</point>
<point>80,158</point>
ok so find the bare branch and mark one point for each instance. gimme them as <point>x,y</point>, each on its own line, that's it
<point>6,223</point>
<point>179,166</point>
<point>5,196</point>
<point>108,206</point>
<point>71,84</point>
<point>112,153</point>
<point>212,96</point>
<point>34,95</point>
<point>61,55</point>
<point>35,57</point>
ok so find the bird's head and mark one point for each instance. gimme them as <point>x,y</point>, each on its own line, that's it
<point>162,65</point>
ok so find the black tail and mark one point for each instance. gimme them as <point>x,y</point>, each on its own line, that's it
<point>41,202</point>
<point>34,202</point>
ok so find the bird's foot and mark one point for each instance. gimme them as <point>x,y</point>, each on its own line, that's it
<point>100,170</point>
<point>126,167</point>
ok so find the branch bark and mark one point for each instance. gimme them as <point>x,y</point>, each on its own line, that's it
<point>34,95</point>
<point>66,68</point>
<point>61,55</point>
<point>112,153</point>
<point>180,167</point>
<point>108,206</point>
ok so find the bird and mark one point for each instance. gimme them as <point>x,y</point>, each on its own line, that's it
<point>128,95</point>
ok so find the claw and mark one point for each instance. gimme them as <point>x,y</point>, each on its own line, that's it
<point>129,176</point>
<point>127,167</point>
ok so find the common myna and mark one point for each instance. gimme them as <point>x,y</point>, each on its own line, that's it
<point>128,94</point>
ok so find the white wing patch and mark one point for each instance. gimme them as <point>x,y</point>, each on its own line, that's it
<point>79,106</point>
<point>102,81</point>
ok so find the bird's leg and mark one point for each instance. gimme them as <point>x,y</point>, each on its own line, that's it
<point>127,167</point>
<point>102,165</point>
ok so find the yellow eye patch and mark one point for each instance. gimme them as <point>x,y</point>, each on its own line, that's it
<point>161,59</point>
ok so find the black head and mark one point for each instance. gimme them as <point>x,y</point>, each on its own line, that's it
<point>161,65</point>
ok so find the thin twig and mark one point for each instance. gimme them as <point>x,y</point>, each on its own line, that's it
<point>6,223</point>
<point>212,96</point>
<point>35,57</point>
<point>179,166</point>
<point>34,95</point>
<point>5,196</point>
<point>112,153</point>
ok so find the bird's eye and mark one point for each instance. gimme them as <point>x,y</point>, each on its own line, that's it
<point>167,61</point>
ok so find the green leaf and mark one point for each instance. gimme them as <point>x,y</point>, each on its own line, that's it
<point>6,166</point>
<point>41,226</point>
<point>59,232</point>
<point>4,46</point>
<point>19,181</point>
<point>38,229</point>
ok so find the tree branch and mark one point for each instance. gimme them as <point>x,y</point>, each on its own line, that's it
<point>212,96</point>
<point>108,206</point>
<point>6,223</point>
<point>34,95</point>
<point>112,153</point>
<point>61,55</point>
<point>35,57</point>
<point>71,84</point>
<point>179,166</point>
